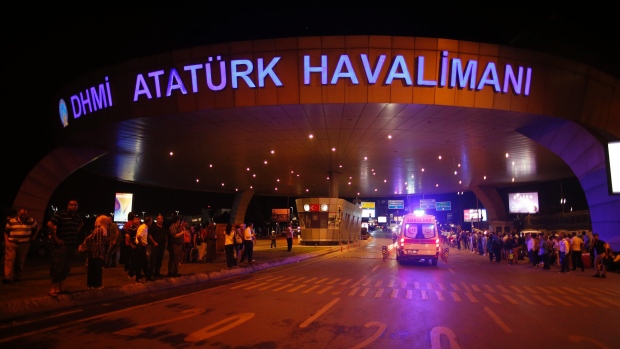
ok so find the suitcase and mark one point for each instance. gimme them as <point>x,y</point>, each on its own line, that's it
<point>586,260</point>
<point>193,255</point>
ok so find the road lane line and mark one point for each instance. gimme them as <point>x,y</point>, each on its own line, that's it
<point>489,288</point>
<point>542,300</point>
<point>318,313</point>
<point>424,294</point>
<point>559,300</point>
<point>353,291</point>
<point>503,289</point>
<point>296,288</point>
<point>379,293</point>
<point>570,289</point>
<point>455,287</point>
<point>311,288</point>
<point>269,286</point>
<point>518,290</point>
<point>525,299</point>
<point>557,290</point>
<point>497,320</point>
<point>282,287</point>
<point>491,298</point>
<point>440,295</point>
<point>471,297</point>
<point>325,290</point>
<point>409,294</point>
<point>364,292</point>
<point>475,288</point>
<point>593,302</point>
<point>257,285</point>
<point>509,299</point>
<point>394,293</point>
<point>242,285</point>
<point>455,296</point>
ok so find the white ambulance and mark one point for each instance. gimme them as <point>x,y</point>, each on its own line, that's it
<point>418,240</point>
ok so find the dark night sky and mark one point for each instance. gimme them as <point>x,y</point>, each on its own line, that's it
<point>49,47</point>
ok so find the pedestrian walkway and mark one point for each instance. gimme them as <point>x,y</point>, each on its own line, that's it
<point>30,295</point>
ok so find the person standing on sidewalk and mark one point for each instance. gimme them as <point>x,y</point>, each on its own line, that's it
<point>65,227</point>
<point>211,243</point>
<point>97,247</point>
<point>18,233</point>
<point>229,246</point>
<point>273,237</point>
<point>157,239</point>
<point>576,251</point>
<point>248,243</point>
<point>175,247</point>
<point>141,257</point>
<point>601,252</point>
<point>115,243</point>
<point>289,237</point>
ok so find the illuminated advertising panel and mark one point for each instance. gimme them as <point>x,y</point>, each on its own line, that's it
<point>368,209</point>
<point>475,215</point>
<point>123,203</point>
<point>613,167</point>
<point>523,203</point>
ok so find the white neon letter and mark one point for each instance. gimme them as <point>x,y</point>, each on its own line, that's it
<point>489,77</point>
<point>192,71</point>
<point>234,73</point>
<point>322,69</point>
<point>155,75</point>
<point>349,73</point>
<point>268,70</point>
<point>399,65</point>
<point>141,88</point>
<point>372,76</point>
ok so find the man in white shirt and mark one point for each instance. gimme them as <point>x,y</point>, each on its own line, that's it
<point>248,243</point>
<point>142,241</point>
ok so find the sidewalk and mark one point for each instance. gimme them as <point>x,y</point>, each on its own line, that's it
<point>29,296</point>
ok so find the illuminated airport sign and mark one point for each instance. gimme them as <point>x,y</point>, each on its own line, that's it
<point>217,74</point>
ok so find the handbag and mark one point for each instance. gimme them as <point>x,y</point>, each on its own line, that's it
<point>238,239</point>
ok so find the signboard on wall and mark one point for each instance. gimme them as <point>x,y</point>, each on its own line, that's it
<point>426,204</point>
<point>443,206</point>
<point>396,204</point>
<point>280,215</point>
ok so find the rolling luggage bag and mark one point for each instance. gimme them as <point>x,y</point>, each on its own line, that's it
<point>586,260</point>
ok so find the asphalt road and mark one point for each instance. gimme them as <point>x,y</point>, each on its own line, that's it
<point>351,299</point>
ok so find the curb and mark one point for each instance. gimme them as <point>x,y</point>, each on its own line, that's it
<point>43,304</point>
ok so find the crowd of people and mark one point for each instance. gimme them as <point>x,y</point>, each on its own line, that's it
<point>568,251</point>
<point>139,245</point>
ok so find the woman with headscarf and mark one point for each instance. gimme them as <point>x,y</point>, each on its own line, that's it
<point>96,250</point>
